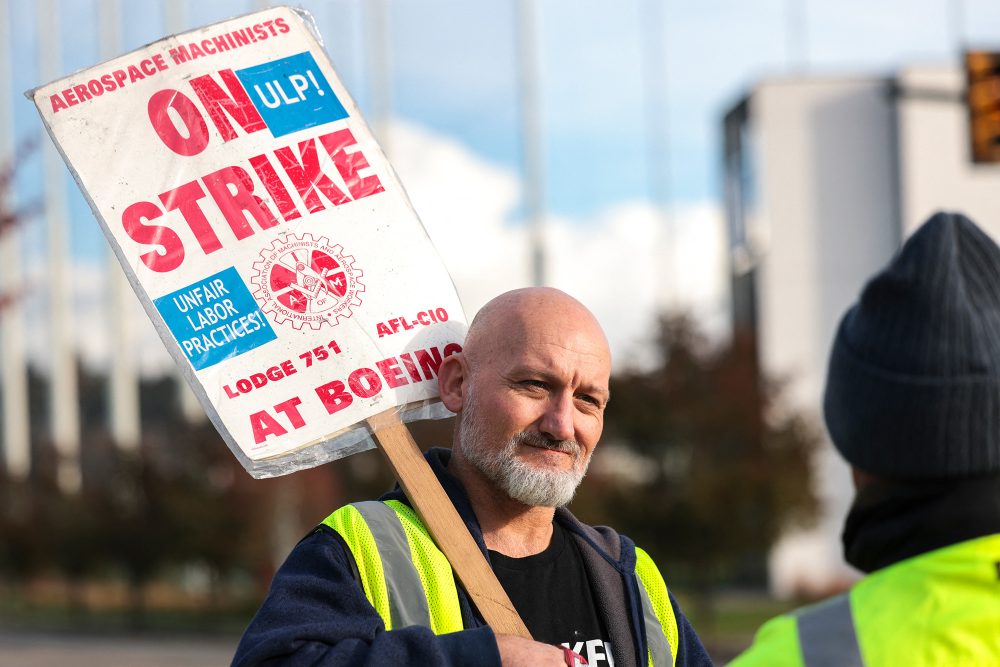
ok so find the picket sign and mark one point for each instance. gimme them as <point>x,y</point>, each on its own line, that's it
<point>275,251</point>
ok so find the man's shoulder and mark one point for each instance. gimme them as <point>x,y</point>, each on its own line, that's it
<point>608,542</point>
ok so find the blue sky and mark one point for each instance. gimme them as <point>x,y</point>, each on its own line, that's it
<point>454,70</point>
<point>454,84</point>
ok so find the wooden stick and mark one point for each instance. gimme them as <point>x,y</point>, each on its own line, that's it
<point>444,524</point>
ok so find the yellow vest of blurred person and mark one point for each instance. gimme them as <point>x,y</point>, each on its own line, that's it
<point>938,609</point>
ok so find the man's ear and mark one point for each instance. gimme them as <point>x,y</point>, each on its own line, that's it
<point>452,378</point>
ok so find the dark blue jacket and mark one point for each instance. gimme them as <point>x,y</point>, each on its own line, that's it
<point>316,612</point>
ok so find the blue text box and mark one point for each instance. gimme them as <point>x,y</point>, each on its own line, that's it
<point>291,94</point>
<point>215,319</point>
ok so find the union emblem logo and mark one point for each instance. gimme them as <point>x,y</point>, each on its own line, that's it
<point>306,281</point>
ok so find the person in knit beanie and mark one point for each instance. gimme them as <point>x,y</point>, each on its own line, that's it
<point>912,403</point>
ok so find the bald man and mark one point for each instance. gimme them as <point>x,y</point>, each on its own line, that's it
<point>369,587</point>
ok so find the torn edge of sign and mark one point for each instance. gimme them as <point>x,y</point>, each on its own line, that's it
<point>352,440</point>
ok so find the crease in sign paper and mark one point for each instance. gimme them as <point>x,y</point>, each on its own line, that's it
<point>265,234</point>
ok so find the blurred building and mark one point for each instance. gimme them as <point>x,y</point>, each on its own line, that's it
<point>825,177</point>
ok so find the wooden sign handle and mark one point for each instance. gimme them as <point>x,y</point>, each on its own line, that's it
<point>445,525</point>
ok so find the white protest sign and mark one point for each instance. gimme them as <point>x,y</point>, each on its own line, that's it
<point>264,232</point>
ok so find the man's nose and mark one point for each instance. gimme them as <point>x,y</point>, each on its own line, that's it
<point>557,422</point>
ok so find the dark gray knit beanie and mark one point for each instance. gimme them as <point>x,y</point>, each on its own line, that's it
<point>913,388</point>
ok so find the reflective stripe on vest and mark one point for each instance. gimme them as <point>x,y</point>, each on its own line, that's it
<point>827,636</point>
<point>404,575</point>
<point>420,589</point>
<point>657,612</point>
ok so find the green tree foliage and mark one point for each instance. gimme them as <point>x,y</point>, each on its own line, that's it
<point>723,470</point>
<point>182,500</point>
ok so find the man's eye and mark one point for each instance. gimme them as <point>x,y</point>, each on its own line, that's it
<point>534,384</point>
<point>589,399</point>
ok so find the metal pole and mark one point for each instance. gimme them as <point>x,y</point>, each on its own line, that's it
<point>174,20</point>
<point>124,381</point>
<point>16,435</point>
<point>956,21</point>
<point>65,403</point>
<point>654,74</point>
<point>531,137</point>
<point>796,34</point>
<point>377,27</point>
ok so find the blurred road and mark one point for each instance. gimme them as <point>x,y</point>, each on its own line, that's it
<point>61,650</point>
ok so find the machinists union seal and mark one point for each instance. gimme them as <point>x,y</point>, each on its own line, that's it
<point>306,281</point>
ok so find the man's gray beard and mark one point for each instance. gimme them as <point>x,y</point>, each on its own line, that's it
<point>532,486</point>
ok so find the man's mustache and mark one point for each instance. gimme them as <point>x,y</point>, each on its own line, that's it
<point>533,439</point>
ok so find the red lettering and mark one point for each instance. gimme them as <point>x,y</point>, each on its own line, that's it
<point>196,138</point>
<point>179,54</point>
<point>234,202</point>
<point>237,104</point>
<point>274,186</point>
<point>382,330</point>
<point>411,368</point>
<point>170,253</point>
<point>148,67</point>
<point>265,425</point>
<point>282,25</point>
<point>185,198</point>
<point>134,74</point>
<point>120,77</point>
<point>57,103</point>
<point>371,379</point>
<point>308,178</point>
<point>452,348</point>
<point>289,409</point>
<point>82,92</point>
<point>229,392</point>
<point>429,360</point>
<point>349,164</point>
<point>195,51</point>
<point>390,370</point>
<point>333,396</point>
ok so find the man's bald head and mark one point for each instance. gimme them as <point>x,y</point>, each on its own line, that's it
<point>530,386</point>
<point>510,319</point>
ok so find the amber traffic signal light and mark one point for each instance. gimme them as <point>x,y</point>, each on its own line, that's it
<point>982,76</point>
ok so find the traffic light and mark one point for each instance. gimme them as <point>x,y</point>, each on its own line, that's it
<point>982,76</point>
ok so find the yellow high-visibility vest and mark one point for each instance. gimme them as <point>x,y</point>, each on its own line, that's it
<point>409,581</point>
<point>938,608</point>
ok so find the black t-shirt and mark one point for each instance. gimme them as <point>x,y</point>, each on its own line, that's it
<point>552,593</point>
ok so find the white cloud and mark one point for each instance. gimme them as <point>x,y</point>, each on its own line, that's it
<point>618,262</point>
<point>91,322</point>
